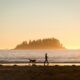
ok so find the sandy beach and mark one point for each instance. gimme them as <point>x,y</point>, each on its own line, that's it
<point>39,72</point>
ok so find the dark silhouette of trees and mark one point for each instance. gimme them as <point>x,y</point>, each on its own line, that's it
<point>49,43</point>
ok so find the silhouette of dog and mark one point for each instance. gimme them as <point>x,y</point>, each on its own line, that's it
<point>32,61</point>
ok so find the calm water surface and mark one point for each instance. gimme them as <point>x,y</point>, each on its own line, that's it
<point>53,55</point>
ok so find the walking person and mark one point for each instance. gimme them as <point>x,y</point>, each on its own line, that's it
<point>46,60</point>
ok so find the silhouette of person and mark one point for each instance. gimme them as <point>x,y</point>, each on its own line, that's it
<point>46,59</point>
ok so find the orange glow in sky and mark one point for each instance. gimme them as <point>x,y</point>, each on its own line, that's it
<point>34,19</point>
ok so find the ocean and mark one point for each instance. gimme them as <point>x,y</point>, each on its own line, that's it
<point>54,56</point>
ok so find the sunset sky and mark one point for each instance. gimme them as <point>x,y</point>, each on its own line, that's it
<point>22,20</point>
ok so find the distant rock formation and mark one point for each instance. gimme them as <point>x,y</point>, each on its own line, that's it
<point>49,43</point>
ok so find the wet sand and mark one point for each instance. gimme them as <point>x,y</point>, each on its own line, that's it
<point>40,72</point>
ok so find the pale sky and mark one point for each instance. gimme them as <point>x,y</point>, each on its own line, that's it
<point>22,20</point>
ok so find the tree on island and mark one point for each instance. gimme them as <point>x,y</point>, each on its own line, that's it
<point>49,43</point>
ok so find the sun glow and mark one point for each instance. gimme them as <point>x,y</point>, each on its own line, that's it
<point>72,47</point>
<point>33,19</point>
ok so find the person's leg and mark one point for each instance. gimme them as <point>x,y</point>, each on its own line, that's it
<point>47,63</point>
<point>44,63</point>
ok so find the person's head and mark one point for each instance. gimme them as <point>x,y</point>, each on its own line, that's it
<point>45,53</point>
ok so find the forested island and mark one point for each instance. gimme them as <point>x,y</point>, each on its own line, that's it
<point>49,43</point>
